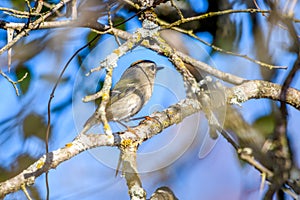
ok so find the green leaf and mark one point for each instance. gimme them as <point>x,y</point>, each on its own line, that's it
<point>22,162</point>
<point>34,125</point>
<point>20,73</point>
<point>19,4</point>
<point>119,21</point>
<point>265,124</point>
<point>91,36</point>
<point>19,164</point>
<point>4,174</point>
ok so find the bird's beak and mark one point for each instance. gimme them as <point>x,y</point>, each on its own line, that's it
<point>159,68</point>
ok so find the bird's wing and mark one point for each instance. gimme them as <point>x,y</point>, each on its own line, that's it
<point>127,103</point>
<point>122,91</point>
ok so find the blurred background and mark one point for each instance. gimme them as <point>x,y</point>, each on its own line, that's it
<point>169,159</point>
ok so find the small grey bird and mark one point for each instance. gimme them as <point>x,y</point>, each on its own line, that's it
<point>163,193</point>
<point>131,92</point>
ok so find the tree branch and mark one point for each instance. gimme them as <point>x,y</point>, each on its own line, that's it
<point>34,25</point>
<point>187,59</point>
<point>99,28</point>
<point>172,115</point>
<point>257,89</point>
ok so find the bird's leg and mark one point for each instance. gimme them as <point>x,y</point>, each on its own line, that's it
<point>129,129</point>
<point>153,119</point>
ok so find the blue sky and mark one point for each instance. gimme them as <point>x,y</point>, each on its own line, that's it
<point>90,175</point>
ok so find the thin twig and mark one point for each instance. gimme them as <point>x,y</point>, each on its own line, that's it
<point>17,12</point>
<point>212,14</point>
<point>111,25</point>
<point>136,6</point>
<point>10,35</point>
<point>14,83</point>
<point>246,155</point>
<point>190,33</point>
<point>23,187</point>
<point>177,9</point>
<point>35,24</point>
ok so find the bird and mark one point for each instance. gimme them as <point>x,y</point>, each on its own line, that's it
<point>163,193</point>
<point>131,92</point>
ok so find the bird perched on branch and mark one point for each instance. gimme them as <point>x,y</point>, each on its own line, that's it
<point>130,93</point>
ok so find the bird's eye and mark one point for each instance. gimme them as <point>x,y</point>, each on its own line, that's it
<point>153,67</point>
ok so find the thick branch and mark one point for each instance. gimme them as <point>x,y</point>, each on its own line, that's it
<point>257,89</point>
<point>187,59</point>
<point>173,115</point>
<point>130,172</point>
